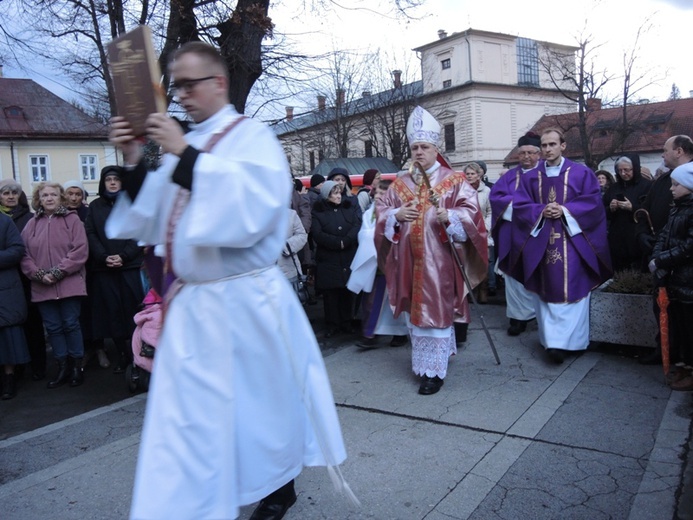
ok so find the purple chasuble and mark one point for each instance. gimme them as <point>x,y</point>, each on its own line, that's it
<point>558,267</point>
<point>501,196</point>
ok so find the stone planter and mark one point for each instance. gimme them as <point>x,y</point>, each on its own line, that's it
<point>623,319</point>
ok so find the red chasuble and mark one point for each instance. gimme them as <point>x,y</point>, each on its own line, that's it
<point>422,276</point>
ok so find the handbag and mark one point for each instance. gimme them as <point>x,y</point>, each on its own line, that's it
<point>301,283</point>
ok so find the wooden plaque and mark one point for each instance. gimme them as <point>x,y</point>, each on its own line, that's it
<point>136,77</point>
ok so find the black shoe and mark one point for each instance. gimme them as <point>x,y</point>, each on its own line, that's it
<point>461,332</point>
<point>275,506</point>
<point>63,375</point>
<point>367,343</point>
<point>517,327</point>
<point>399,341</point>
<point>556,355</point>
<point>9,387</point>
<point>430,385</point>
<point>654,357</point>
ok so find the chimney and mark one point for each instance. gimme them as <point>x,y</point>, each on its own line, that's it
<point>1,75</point>
<point>442,34</point>
<point>340,96</point>
<point>593,104</point>
<point>289,113</point>
<point>366,93</point>
<point>397,78</point>
<point>690,92</point>
<point>321,102</point>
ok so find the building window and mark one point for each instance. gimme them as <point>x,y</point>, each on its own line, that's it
<point>450,137</point>
<point>321,155</point>
<point>447,83</point>
<point>311,158</point>
<point>445,64</point>
<point>527,62</point>
<point>368,152</point>
<point>39,168</point>
<point>88,167</point>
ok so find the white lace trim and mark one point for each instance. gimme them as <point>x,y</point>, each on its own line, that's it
<point>430,354</point>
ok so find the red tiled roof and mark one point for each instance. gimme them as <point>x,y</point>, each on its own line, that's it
<point>29,111</point>
<point>653,124</point>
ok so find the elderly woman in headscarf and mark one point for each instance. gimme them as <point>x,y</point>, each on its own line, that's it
<point>56,252</point>
<point>115,285</point>
<point>13,202</point>
<point>335,228</point>
<point>622,200</point>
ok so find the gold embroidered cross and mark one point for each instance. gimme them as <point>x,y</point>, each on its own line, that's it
<point>553,236</point>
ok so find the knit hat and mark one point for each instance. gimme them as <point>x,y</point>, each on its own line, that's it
<point>76,184</point>
<point>327,188</point>
<point>483,166</point>
<point>684,175</point>
<point>316,179</point>
<point>422,127</point>
<point>369,176</point>
<point>339,171</point>
<point>529,139</point>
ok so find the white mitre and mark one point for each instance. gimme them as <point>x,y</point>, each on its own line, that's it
<point>422,127</point>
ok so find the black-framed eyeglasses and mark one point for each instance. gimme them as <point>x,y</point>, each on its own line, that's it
<point>188,85</point>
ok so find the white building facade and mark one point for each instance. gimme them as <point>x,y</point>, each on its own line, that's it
<point>486,90</point>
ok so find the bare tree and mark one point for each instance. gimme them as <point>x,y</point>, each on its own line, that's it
<point>74,33</point>
<point>576,77</point>
<point>579,78</point>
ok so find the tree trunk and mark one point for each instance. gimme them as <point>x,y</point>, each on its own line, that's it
<point>240,42</point>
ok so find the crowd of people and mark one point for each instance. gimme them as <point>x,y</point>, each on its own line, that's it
<point>65,277</point>
<point>401,255</point>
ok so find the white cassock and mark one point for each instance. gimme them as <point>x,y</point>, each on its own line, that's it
<point>239,399</point>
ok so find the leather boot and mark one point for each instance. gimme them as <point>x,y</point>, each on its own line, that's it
<point>77,372</point>
<point>9,387</point>
<point>517,327</point>
<point>63,375</point>
<point>461,332</point>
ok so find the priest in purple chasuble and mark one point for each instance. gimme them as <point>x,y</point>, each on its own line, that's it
<point>519,301</point>
<point>559,228</point>
<point>423,281</point>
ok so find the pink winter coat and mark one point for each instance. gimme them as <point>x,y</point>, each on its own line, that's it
<point>55,242</point>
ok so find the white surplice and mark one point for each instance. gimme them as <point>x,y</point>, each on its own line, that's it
<point>239,399</point>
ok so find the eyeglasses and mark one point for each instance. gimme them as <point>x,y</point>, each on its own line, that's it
<point>625,170</point>
<point>186,86</point>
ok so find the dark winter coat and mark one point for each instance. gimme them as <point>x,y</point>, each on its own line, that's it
<point>12,302</point>
<point>335,226</point>
<point>673,252</point>
<point>657,204</point>
<point>21,215</point>
<point>623,244</point>
<point>100,246</point>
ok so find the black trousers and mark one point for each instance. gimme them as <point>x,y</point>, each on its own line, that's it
<point>338,307</point>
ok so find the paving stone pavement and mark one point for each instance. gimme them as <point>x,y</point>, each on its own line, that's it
<point>599,436</point>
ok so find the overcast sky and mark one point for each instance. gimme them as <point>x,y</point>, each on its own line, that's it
<point>613,23</point>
